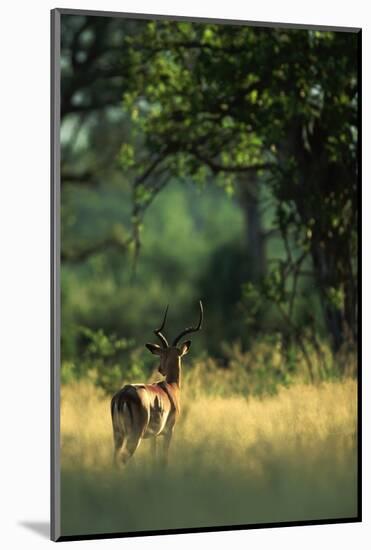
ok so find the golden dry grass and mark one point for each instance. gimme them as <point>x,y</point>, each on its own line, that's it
<point>287,457</point>
<point>302,414</point>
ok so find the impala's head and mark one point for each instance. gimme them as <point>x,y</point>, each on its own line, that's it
<point>170,356</point>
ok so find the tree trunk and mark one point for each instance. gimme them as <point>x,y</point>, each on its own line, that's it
<point>324,276</point>
<point>254,238</point>
<point>318,178</point>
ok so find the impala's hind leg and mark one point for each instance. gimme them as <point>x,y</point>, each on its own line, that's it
<point>135,419</point>
<point>117,427</point>
<point>128,448</point>
<point>118,440</point>
<point>166,446</point>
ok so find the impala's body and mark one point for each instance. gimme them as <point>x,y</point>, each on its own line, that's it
<point>141,411</point>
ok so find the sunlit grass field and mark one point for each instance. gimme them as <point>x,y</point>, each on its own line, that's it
<point>287,457</point>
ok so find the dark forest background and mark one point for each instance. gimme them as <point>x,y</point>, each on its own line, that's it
<point>215,162</point>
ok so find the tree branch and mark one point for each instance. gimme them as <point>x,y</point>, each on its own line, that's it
<point>189,45</point>
<point>85,178</point>
<point>153,165</point>
<point>77,256</point>
<point>216,167</point>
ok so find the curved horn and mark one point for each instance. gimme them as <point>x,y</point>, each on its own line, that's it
<point>191,329</point>
<point>158,332</point>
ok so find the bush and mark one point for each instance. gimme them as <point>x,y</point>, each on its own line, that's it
<point>107,361</point>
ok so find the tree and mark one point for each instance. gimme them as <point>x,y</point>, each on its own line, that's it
<point>94,77</point>
<point>235,102</point>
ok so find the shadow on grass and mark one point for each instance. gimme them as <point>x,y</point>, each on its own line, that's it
<point>301,484</point>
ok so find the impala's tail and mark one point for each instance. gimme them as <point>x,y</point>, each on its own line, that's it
<point>128,422</point>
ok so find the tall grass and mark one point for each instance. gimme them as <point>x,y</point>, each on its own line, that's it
<point>288,457</point>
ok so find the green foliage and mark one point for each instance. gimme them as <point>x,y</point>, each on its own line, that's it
<point>179,242</point>
<point>234,98</point>
<point>107,360</point>
<point>170,131</point>
<point>126,155</point>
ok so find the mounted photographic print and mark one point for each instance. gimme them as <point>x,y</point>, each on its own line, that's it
<point>205,192</point>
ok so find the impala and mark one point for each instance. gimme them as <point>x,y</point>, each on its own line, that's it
<point>141,411</point>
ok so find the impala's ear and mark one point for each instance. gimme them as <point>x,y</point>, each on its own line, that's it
<point>184,348</point>
<point>154,348</point>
